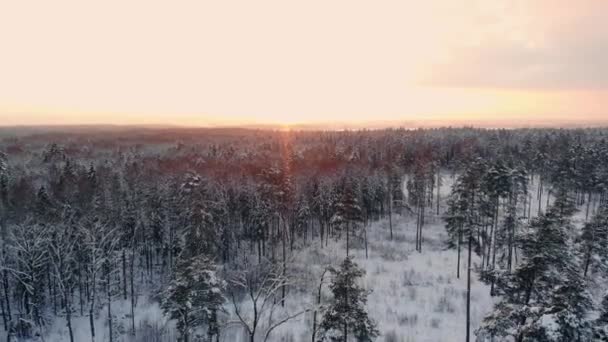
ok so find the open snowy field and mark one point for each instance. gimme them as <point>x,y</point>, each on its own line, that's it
<point>415,297</point>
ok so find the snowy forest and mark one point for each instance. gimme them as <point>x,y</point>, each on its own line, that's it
<point>254,235</point>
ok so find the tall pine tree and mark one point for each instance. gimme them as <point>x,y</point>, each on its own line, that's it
<point>346,315</point>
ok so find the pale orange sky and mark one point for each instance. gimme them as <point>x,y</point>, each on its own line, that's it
<point>230,62</point>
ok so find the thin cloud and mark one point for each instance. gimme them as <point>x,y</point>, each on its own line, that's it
<point>556,49</point>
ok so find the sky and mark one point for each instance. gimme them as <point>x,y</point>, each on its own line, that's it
<point>289,62</point>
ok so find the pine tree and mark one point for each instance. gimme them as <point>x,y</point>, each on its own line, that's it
<point>348,211</point>
<point>594,242</point>
<point>601,324</point>
<point>455,220</point>
<point>463,221</point>
<point>346,315</point>
<point>194,296</point>
<point>544,299</point>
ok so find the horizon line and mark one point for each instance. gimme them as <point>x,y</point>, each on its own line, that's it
<point>336,125</point>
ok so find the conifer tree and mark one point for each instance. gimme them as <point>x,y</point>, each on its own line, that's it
<point>194,296</point>
<point>346,314</point>
<point>594,242</point>
<point>601,324</point>
<point>348,211</point>
<point>544,298</point>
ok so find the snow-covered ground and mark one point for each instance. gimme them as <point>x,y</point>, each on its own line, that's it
<point>415,297</point>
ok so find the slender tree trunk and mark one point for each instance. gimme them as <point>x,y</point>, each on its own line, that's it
<point>124,273</point>
<point>365,236</point>
<point>314,317</point>
<point>186,332</point>
<point>417,224</point>
<point>132,271</point>
<point>321,231</point>
<point>347,237</point>
<point>438,188</point>
<point>588,205</point>
<point>540,194</point>
<point>54,296</point>
<point>494,245</point>
<point>459,239</point>
<point>109,307</point>
<point>6,295</point>
<point>171,247</point>
<point>390,213</point>
<point>92,308</point>
<point>525,204</point>
<point>483,243</point>
<point>284,286</point>
<point>80,290</point>
<point>469,289</point>
<point>4,320</point>
<point>421,225</point>
<point>68,317</point>
<point>587,261</point>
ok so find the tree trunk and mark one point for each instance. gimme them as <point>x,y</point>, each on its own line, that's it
<point>458,265</point>
<point>417,225</point>
<point>314,317</point>
<point>186,332</point>
<point>6,295</point>
<point>587,261</point>
<point>132,271</point>
<point>80,290</point>
<point>109,307</point>
<point>4,320</point>
<point>540,194</point>
<point>68,317</point>
<point>390,214</point>
<point>469,290</point>
<point>588,205</point>
<point>347,237</point>
<point>421,225</point>
<point>124,273</point>
<point>284,286</point>
<point>321,231</point>
<point>91,310</point>
<point>493,246</point>
<point>365,236</point>
<point>438,188</point>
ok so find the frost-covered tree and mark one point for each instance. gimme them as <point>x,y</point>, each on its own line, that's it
<point>195,296</point>
<point>594,242</point>
<point>601,324</point>
<point>454,218</point>
<point>29,244</point>
<point>323,199</point>
<point>255,297</point>
<point>348,212</point>
<point>99,241</point>
<point>62,248</point>
<point>346,314</point>
<point>544,298</point>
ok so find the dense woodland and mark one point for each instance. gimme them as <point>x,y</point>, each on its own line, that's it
<point>206,222</point>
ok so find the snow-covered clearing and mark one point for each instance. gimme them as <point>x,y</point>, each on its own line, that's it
<point>416,297</point>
